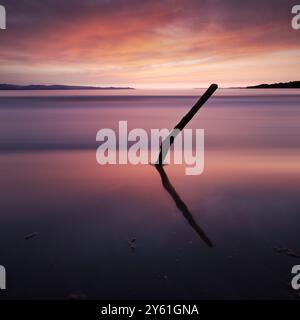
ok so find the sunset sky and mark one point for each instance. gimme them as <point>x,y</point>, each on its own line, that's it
<point>149,43</point>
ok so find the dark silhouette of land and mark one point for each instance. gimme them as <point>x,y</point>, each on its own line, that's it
<point>5,86</point>
<point>280,85</point>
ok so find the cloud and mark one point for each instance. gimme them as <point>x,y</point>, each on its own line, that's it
<point>144,40</point>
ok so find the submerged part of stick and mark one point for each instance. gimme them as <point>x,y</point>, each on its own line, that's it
<point>165,145</point>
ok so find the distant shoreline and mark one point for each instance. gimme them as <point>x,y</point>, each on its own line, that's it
<point>280,85</point>
<point>13,87</point>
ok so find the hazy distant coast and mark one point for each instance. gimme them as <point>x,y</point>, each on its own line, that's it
<point>58,87</point>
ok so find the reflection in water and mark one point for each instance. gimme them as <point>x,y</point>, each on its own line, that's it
<point>181,205</point>
<point>83,210</point>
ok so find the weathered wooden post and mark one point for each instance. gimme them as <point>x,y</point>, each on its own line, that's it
<point>165,145</point>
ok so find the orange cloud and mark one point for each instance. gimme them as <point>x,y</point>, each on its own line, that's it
<point>150,43</point>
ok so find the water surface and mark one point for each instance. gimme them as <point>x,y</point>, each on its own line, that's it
<point>245,203</point>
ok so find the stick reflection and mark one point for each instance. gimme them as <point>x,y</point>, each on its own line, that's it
<point>181,205</point>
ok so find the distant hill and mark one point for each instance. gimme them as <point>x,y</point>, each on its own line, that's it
<point>280,85</point>
<point>57,87</point>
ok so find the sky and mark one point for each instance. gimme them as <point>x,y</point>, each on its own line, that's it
<point>149,43</point>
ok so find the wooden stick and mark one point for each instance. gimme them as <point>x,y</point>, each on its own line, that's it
<point>165,145</point>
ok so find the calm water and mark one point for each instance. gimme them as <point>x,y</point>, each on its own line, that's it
<point>245,204</point>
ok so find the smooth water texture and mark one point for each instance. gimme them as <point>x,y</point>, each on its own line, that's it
<point>213,236</point>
